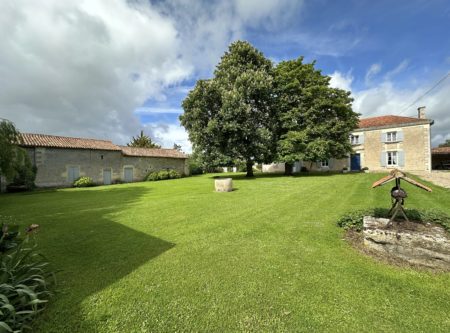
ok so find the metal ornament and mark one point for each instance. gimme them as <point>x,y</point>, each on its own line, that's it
<point>398,194</point>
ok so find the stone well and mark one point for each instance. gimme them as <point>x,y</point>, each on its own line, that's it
<point>425,245</point>
<point>224,185</point>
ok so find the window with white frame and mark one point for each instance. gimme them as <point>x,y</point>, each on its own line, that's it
<point>354,139</point>
<point>324,164</point>
<point>391,136</point>
<point>392,158</point>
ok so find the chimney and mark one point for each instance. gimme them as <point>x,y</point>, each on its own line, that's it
<point>421,112</point>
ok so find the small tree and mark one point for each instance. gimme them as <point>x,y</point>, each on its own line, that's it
<point>177,147</point>
<point>15,164</point>
<point>9,138</point>
<point>445,144</point>
<point>230,117</point>
<point>315,120</point>
<point>142,141</point>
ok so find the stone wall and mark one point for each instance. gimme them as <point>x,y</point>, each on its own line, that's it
<point>53,165</point>
<point>415,146</point>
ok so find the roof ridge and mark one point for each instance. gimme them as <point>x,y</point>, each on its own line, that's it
<point>68,137</point>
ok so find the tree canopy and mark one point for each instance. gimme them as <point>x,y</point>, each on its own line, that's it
<point>142,141</point>
<point>445,144</point>
<point>315,120</point>
<point>254,113</point>
<point>229,118</point>
<point>15,164</point>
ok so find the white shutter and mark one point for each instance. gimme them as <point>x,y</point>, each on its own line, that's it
<point>401,158</point>
<point>383,159</point>
<point>400,136</point>
<point>361,138</point>
<point>383,137</point>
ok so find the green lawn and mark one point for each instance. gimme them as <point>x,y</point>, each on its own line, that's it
<point>176,256</point>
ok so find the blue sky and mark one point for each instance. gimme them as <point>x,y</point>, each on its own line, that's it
<point>108,69</point>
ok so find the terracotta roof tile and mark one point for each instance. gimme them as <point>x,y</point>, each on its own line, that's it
<point>152,152</point>
<point>440,150</point>
<point>53,141</point>
<point>386,121</point>
<point>43,140</point>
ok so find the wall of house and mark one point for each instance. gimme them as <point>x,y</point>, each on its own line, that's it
<point>143,165</point>
<point>53,165</point>
<point>415,146</point>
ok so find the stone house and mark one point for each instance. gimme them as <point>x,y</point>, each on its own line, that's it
<point>61,160</point>
<point>382,143</point>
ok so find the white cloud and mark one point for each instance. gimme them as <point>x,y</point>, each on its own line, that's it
<point>374,69</point>
<point>397,70</point>
<point>388,99</point>
<point>341,80</point>
<point>168,134</point>
<point>149,110</point>
<point>81,68</point>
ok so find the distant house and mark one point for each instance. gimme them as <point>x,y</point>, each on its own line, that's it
<point>61,160</point>
<point>382,143</point>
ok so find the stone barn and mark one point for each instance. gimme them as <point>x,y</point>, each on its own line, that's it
<point>61,160</point>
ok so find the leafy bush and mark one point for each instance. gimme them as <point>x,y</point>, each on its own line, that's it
<point>163,175</point>
<point>24,173</point>
<point>25,282</point>
<point>8,234</point>
<point>174,174</point>
<point>354,220</point>
<point>83,182</point>
<point>195,168</point>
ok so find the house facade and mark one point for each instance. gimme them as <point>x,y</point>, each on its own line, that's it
<point>62,160</point>
<point>379,144</point>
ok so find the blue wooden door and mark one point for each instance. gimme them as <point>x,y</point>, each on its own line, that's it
<point>355,162</point>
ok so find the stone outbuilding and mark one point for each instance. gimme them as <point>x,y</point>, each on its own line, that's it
<point>61,160</point>
<point>440,158</point>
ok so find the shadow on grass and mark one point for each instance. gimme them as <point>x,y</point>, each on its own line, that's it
<point>242,176</point>
<point>79,237</point>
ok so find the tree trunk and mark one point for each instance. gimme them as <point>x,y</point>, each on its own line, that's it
<point>249,165</point>
<point>288,167</point>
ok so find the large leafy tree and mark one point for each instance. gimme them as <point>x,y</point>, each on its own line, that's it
<point>230,118</point>
<point>142,141</point>
<point>315,120</point>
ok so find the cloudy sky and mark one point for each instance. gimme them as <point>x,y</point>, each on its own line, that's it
<point>106,69</point>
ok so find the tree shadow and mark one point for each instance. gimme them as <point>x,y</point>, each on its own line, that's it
<point>78,237</point>
<point>261,175</point>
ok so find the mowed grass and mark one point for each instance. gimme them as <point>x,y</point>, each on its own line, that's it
<point>176,256</point>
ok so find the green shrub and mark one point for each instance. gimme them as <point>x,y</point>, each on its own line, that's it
<point>25,282</point>
<point>8,234</point>
<point>195,168</point>
<point>354,220</point>
<point>163,175</point>
<point>174,174</point>
<point>83,182</point>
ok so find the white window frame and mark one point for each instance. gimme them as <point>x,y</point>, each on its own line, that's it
<point>325,164</point>
<point>354,139</point>
<point>391,136</point>
<point>392,158</point>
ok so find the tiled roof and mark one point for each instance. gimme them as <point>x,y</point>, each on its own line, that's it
<point>152,152</point>
<point>387,121</point>
<point>440,150</point>
<point>43,140</point>
<point>53,141</point>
